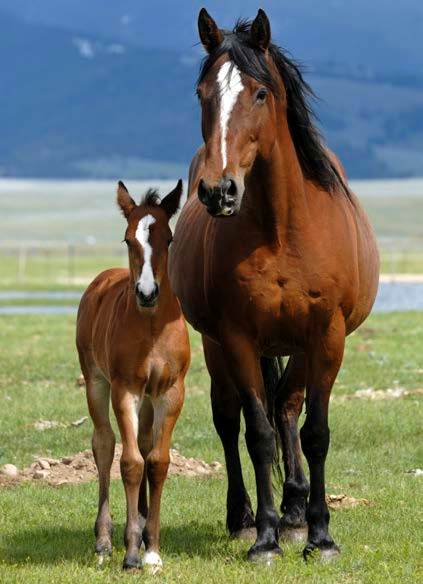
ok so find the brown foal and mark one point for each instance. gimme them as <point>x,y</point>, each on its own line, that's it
<point>273,256</point>
<point>133,345</point>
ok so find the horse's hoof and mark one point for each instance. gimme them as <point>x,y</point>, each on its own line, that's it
<point>264,557</point>
<point>244,534</point>
<point>324,554</point>
<point>293,534</point>
<point>132,563</point>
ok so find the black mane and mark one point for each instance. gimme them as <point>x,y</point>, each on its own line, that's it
<point>311,152</point>
<point>151,198</point>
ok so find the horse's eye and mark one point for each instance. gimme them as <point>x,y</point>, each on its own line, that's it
<point>261,95</point>
<point>126,241</point>
<point>169,241</point>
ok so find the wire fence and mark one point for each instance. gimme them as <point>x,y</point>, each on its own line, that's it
<point>51,264</point>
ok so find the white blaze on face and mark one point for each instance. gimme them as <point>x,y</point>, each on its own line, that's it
<point>230,86</point>
<point>146,279</point>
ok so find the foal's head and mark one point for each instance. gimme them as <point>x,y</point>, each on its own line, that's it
<point>249,92</point>
<point>148,237</point>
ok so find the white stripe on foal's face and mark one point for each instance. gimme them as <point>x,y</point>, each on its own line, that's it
<point>146,279</point>
<point>230,86</point>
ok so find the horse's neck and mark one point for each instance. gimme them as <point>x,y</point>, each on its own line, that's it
<point>277,189</point>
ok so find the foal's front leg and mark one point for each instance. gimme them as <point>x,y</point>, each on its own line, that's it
<point>167,408</point>
<point>126,406</point>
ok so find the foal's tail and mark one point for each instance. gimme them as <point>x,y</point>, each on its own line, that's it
<point>272,370</point>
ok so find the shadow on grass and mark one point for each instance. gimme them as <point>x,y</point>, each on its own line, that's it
<point>53,545</point>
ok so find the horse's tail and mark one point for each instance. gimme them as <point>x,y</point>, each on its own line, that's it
<point>272,371</point>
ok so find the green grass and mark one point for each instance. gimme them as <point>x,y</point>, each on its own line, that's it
<point>46,533</point>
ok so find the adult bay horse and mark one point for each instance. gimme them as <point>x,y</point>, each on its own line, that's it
<point>133,344</point>
<point>272,256</point>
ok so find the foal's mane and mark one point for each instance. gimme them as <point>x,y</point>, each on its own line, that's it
<point>151,198</point>
<point>311,152</point>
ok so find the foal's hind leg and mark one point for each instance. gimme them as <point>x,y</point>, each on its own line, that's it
<point>103,444</point>
<point>288,406</point>
<point>226,405</point>
<point>145,444</point>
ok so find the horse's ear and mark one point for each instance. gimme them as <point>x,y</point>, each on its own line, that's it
<point>260,31</point>
<point>210,35</point>
<point>124,200</point>
<point>170,204</point>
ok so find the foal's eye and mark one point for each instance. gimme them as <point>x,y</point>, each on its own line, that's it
<point>126,241</point>
<point>261,95</point>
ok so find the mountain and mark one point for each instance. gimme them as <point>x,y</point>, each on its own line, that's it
<point>104,89</point>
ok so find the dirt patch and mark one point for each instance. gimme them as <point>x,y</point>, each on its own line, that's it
<point>81,468</point>
<point>378,394</point>
<point>343,502</point>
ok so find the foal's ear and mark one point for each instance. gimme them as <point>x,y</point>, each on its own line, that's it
<point>124,200</point>
<point>260,31</point>
<point>170,204</point>
<point>210,35</point>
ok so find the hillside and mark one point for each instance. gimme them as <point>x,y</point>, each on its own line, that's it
<point>87,97</point>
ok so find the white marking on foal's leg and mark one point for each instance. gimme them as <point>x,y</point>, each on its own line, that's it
<point>153,562</point>
<point>230,86</point>
<point>146,279</point>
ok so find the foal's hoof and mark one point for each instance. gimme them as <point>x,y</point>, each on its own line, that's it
<point>293,534</point>
<point>244,534</point>
<point>103,551</point>
<point>264,557</point>
<point>326,553</point>
<point>152,562</point>
<point>132,563</point>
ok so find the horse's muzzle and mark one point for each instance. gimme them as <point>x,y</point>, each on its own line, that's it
<point>222,200</point>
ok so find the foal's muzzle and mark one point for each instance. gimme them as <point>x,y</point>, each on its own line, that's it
<point>146,300</point>
<point>222,200</point>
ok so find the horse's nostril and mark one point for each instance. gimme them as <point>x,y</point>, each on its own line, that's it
<point>203,191</point>
<point>229,188</point>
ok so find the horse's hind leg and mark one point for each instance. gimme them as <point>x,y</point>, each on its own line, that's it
<point>166,411</point>
<point>288,406</point>
<point>103,444</point>
<point>226,406</point>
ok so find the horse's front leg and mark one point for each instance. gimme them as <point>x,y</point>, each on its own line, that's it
<point>324,360</point>
<point>244,365</point>
<point>126,406</point>
<point>226,406</point>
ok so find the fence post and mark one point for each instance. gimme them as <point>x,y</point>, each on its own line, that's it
<point>22,264</point>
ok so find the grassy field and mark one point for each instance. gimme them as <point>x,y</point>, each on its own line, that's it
<point>46,533</point>
<point>83,219</point>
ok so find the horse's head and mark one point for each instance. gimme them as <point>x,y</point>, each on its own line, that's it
<point>237,88</point>
<point>148,237</point>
